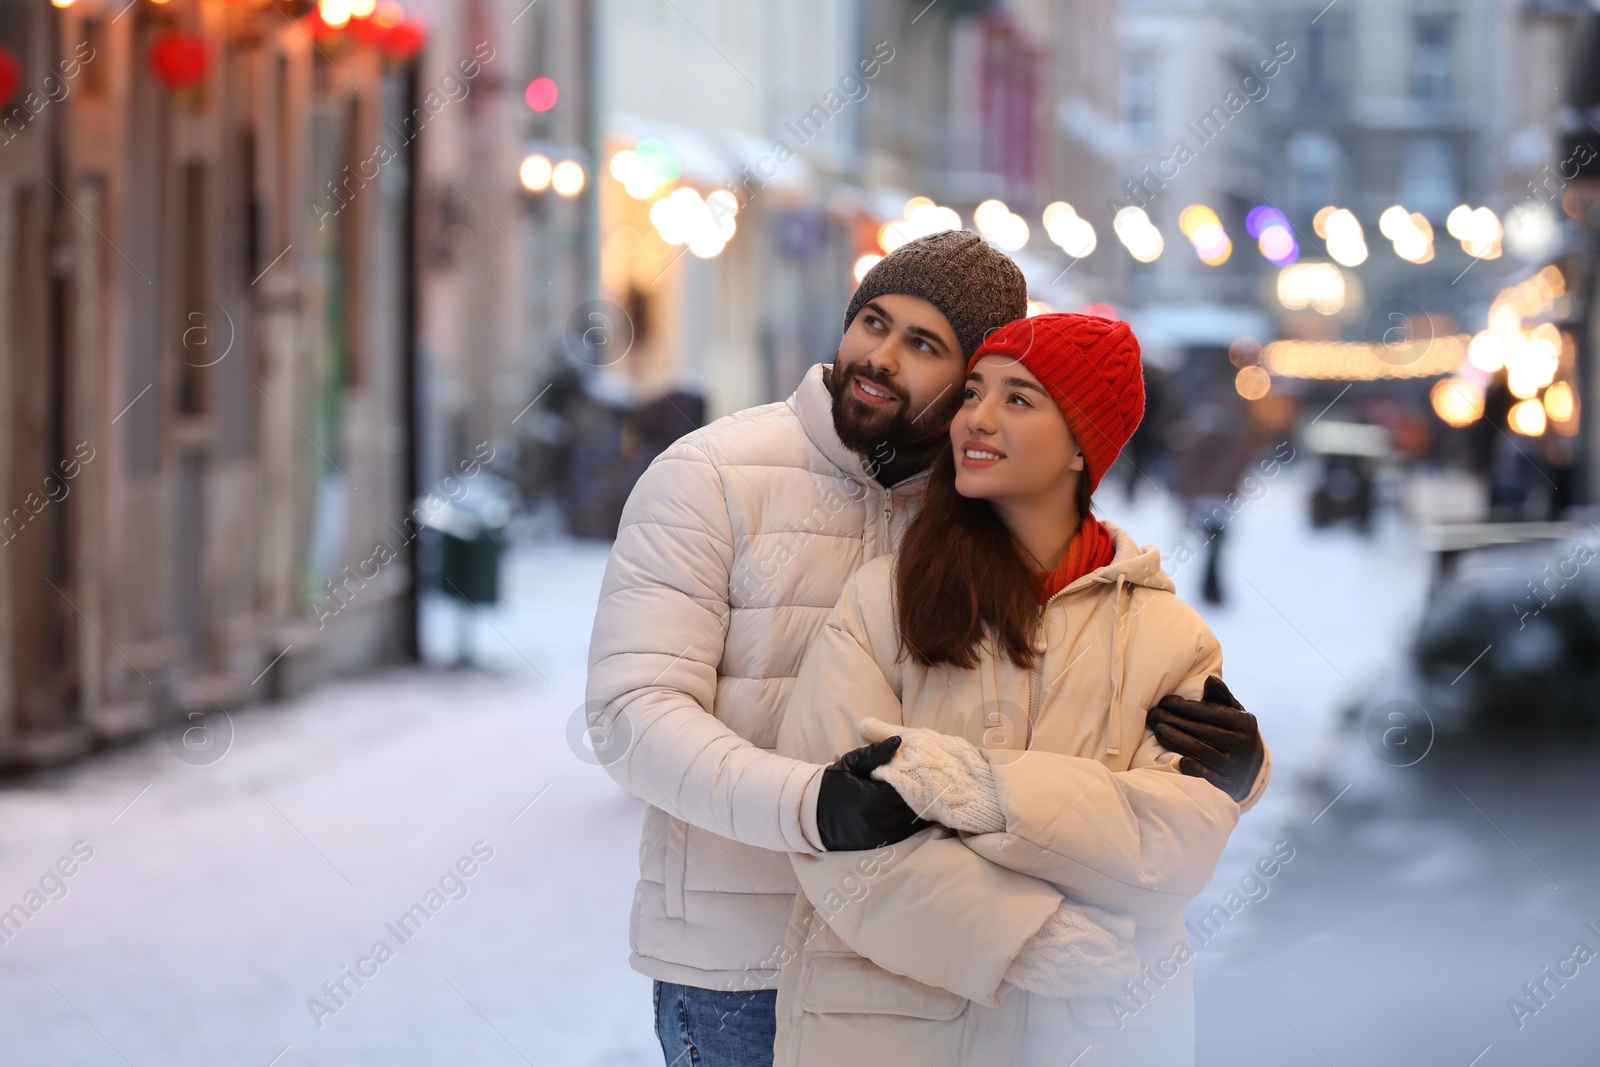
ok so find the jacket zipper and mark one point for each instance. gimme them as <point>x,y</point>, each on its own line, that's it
<point>1034,676</point>
<point>1037,673</point>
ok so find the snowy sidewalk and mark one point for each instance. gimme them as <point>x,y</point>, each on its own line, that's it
<point>220,899</point>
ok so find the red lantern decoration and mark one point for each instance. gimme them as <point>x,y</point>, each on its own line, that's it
<point>404,40</point>
<point>369,31</point>
<point>10,73</point>
<point>321,29</point>
<point>179,59</point>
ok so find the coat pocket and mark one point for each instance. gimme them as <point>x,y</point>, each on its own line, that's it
<point>845,982</point>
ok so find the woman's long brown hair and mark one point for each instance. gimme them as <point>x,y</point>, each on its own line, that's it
<point>960,575</point>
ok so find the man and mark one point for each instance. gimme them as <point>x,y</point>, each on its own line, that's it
<point>734,547</point>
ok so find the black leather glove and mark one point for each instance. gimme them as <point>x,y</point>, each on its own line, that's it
<point>856,811</point>
<point>1218,740</point>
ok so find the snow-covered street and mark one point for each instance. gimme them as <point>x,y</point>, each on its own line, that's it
<point>221,898</point>
<point>226,906</point>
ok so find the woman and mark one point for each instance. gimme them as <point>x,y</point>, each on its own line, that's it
<point>1009,651</point>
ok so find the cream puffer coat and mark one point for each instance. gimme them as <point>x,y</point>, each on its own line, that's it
<point>734,546</point>
<point>898,956</point>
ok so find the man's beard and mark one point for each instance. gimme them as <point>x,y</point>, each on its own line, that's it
<point>895,438</point>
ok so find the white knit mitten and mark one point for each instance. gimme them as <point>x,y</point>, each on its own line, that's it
<point>944,778</point>
<point>1079,951</point>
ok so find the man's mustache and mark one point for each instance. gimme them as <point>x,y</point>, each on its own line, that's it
<point>889,385</point>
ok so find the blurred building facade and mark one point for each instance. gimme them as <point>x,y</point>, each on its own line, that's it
<point>1397,104</point>
<point>1195,80</point>
<point>753,162</point>
<point>1432,129</point>
<point>733,109</point>
<point>206,259</point>
<point>750,166</point>
<point>503,265</point>
<point>271,270</point>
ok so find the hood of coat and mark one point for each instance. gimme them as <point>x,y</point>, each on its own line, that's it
<point>1131,563</point>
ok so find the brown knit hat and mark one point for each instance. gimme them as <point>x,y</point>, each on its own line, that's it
<point>976,287</point>
<point>1092,369</point>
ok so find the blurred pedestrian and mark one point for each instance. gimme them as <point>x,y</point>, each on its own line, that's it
<point>1213,449</point>
<point>1507,467</point>
<point>1145,457</point>
<point>659,422</point>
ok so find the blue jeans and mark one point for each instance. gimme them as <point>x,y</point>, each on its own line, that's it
<point>709,1028</point>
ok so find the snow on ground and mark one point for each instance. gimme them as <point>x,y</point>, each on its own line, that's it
<point>220,898</point>
<point>217,904</point>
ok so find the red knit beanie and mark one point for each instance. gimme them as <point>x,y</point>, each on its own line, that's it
<point>1091,368</point>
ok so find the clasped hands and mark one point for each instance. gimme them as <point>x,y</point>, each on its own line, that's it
<point>943,779</point>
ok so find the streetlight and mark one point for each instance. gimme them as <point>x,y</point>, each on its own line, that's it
<point>568,178</point>
<point>536,172</point>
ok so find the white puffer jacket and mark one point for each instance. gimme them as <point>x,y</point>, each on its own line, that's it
<point>912,951</point>
<point>734,548</point>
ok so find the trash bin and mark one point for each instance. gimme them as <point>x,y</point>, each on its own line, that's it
<point>469,567</point>
<point>470,528</point>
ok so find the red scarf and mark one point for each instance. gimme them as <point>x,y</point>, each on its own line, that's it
<point>1091,549</point>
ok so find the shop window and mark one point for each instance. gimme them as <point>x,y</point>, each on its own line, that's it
<point>94,67</point>
<point>1432,58</point>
